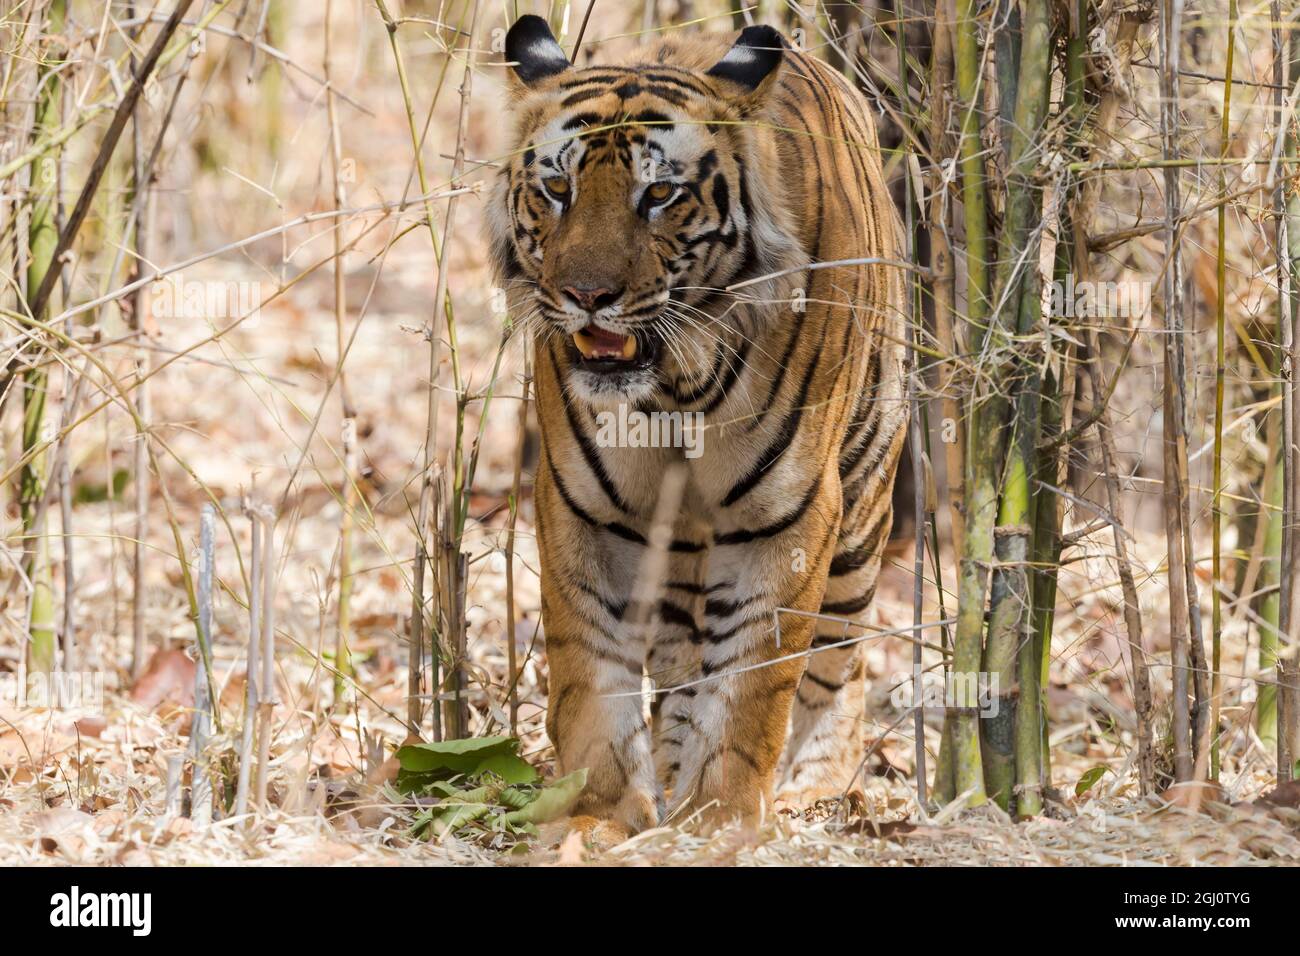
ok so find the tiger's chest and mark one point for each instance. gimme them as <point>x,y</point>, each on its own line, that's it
<point>751,448</point>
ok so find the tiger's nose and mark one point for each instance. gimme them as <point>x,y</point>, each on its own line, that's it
<point>592,299</point>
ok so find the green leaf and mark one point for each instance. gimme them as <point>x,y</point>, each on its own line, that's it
<point>511,768</point>
<point>454,756</point>
<point>1089,780</point>
<point>422,764</point>
<point>552,802</point>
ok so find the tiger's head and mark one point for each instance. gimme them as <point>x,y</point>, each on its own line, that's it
<point>635,194</point>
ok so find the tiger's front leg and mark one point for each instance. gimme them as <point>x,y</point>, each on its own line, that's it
<point>740,712</point>
<point>595,721</point>
<point>594,714</point>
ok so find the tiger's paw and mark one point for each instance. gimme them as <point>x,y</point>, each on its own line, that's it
<point>595,834</point>
<point>799,801</point>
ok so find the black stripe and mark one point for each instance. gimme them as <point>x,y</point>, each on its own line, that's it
<point>590,455</point>
<point>724,608</point>
<point>851,606</point>
<point>675,614</point>
<point>777,447</point>
<point>744,537</point>
<point>823,684</point>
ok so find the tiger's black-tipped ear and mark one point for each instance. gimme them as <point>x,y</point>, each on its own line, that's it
<point>532,48</point>
<point>752,59</point>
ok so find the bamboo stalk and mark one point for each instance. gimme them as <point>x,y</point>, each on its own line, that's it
<point>70,655</point>
<point>1057,388</point>
<point>1276,536</point>
<point>521,438</point>
<point>1143,705</point>
<point>1288,711</point>
<point>1220,368</point>
<point>984,451</point>
<point>427,508</point>
<point>267,696</point>
<point>1173,441</point>
<point>201,721</point>
<point>42,242</point>
<point>456,560</point>
<point>1018,297</point>
<point>348,495</point>
<point>141,208</point>
<point>942,270</point>
<point>252,661</point>
<point>916,444</point>
<point>943,290</point>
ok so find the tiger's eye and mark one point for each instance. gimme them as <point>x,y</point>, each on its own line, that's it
<point>660,191</point>
<point>557,186</point>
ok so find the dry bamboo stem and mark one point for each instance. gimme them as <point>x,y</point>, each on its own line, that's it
<point>252,661</point>
<point>201,721</point>
<point>916,320</point>
<point>941,266</point>
<point>1174,420</point>
<point>1220,369</point>
<point>521,433</point>
<point>1143,706</point>
<point>442,303</point>
<point>342,654</point>
<point>267,697</point>
<point>944,291</point>
<point>1288,710</point>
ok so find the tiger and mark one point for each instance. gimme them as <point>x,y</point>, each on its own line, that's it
<point>670,231</point>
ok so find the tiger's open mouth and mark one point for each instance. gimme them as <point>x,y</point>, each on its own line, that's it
<point>600,350</point>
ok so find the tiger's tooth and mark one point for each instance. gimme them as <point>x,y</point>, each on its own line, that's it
<point>583,341</point>
<point>629,347</point>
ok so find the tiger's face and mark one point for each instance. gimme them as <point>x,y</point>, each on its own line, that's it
<point>626,208</point>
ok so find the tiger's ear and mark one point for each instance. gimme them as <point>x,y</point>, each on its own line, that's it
<point>533,52</point>
<point>752,63</point>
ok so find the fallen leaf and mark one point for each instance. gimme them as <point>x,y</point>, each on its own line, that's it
<point>1193,795</point>
<point>92,726</point>
<point>885,831</point>
<point>1286,795</point>
<point>167,686</point>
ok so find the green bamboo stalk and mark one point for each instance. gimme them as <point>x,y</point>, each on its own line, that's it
<point>1220,344</point>
<point>1016,277</point>
<point>985,425</point>
<point>42,238</point>
<point>1045,551</point>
